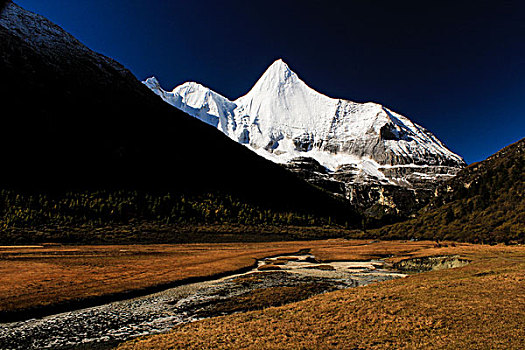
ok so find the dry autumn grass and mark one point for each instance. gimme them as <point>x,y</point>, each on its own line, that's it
<point>34,276</point>
<point>478,306</point>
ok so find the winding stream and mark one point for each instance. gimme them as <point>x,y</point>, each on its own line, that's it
<point>106,325</point>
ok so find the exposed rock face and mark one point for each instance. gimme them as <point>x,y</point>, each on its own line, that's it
<point>431,263</point>
<point>313,172</point>
<point>377,197</point>
<point>362,146</point>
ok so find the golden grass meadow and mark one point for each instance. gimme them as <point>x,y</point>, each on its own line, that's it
<point>478,306</point>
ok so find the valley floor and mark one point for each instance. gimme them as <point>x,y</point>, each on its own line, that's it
<point>50,278</point>
<point>480,305</point>
<point>477,306</point>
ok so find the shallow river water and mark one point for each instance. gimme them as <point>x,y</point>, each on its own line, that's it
<point>106,325</point>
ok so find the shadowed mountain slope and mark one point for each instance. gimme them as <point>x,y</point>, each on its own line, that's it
<point>73,120</point>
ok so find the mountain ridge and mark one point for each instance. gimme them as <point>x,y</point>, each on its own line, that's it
<point>271,117</point>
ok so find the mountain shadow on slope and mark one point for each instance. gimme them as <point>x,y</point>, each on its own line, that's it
<point>74,120</point>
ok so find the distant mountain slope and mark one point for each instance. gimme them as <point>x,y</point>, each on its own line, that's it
<point>485,202</point>
<point>73,119</point>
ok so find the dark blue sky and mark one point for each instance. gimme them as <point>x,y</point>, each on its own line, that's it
<point>455,67</point>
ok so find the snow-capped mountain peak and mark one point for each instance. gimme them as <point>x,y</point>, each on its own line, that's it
<point>281,82</point>
<point>277,74</point>
<point>282,118</point>
<point>153,84</point>
<point>198,101</point>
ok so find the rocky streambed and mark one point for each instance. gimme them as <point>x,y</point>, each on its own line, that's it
<point>275,281</point>
<point>430,263</point>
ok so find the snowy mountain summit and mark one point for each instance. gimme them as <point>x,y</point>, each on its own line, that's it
<point>284,120</point>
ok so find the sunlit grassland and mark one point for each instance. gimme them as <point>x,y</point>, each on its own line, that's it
<point>35,276</point>
<point>478,306</point>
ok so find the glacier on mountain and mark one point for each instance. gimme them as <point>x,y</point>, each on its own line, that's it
<point>282,119</point>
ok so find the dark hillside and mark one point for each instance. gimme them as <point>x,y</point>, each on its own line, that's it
<point>485,202</point>
<point>74,120</point>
